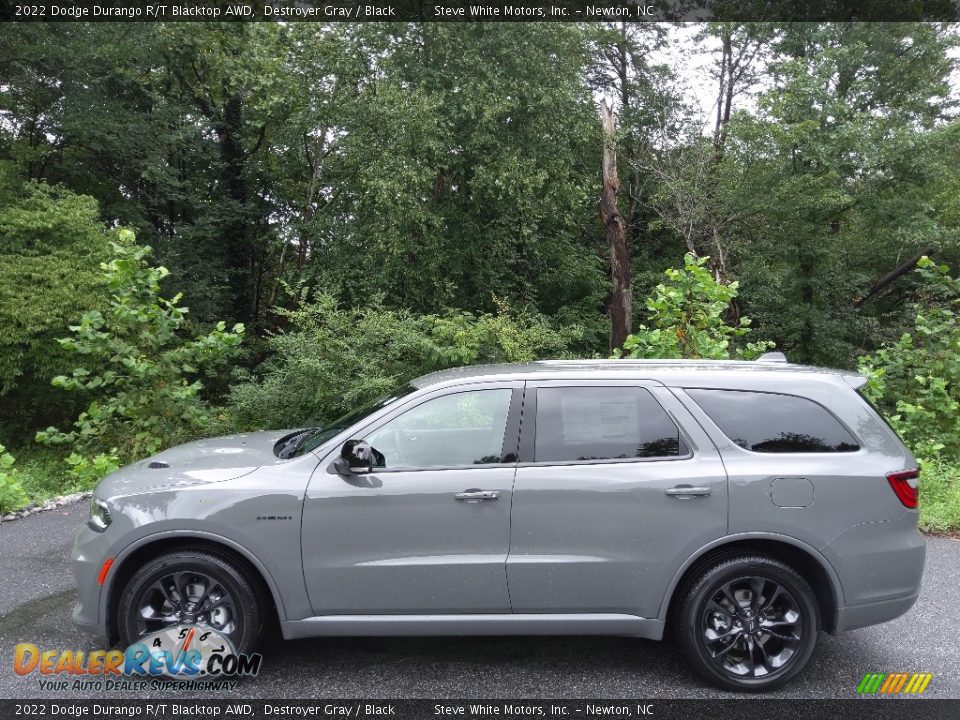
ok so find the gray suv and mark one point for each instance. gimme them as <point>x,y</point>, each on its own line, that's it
<point>743,506</point>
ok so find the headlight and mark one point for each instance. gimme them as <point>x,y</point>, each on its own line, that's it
<point>99,515</point>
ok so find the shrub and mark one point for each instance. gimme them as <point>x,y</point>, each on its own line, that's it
<point>686,316</point>
<point>51,244</point>
<point>12,495</point>
<point>331,359</point>
<point>143,374</point>
<point>940,497</point>
<point>916,380</point>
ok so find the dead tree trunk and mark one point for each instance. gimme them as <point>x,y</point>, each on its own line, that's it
<point>891,277</point>
<point>615,227</point>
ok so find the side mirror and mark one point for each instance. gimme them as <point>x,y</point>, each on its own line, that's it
<point>358,456</point>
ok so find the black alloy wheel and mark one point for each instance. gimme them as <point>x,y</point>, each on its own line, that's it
<point>197,588</point>
<point>749,623</point>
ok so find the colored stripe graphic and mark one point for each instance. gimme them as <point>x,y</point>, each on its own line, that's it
<point>870,683</point>
<point>894,683</point>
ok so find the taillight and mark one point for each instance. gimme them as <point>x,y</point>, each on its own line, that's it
<point>906,485</point>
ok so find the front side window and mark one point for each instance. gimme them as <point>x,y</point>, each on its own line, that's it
<point>465,428</point>
<point>773,423</point>
<point>602,423</point>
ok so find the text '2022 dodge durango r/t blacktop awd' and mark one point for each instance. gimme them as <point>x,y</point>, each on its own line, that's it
<point>742,506</point>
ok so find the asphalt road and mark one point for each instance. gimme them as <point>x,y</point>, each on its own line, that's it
<point>37,593</point>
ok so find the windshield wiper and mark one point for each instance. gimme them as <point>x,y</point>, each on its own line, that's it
<point>296,441</point>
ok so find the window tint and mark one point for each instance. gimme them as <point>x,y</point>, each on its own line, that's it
<point>772,423</point>
<point>462,429</point>
<point>602,423</point>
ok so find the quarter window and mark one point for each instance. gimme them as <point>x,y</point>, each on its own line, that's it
<point>774,423</point>
<point>464,428</point>
<point>602,423</point>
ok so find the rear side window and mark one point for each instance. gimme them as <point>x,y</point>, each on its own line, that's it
<point>773,423</point>
<point>602,423</point>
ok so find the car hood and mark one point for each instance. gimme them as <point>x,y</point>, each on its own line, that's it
<point>202,461</point>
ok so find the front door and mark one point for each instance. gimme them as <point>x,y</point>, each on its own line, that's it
<point>427,533</point>
<point>611,497</point>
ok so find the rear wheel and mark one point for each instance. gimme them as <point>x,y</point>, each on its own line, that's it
<point>748,623</point>
<point>187,587</point>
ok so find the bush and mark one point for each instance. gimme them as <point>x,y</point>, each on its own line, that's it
<point>687,319</point>
<point>332,359</point>
<point>916,380</point>
<point>940,497</point>
<point>51,244</point>
<point>41,474</point>
<point>12,495</point>
<point>143,375</point>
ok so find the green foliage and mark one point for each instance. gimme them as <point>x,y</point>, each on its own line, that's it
<point>88,471</point>
<point>330,359</point>
<point>686,316</point>
<point>916,380</point>
<point>441,163</point>
<point>12,495</point>
<point>940,497</point>
<point>51,244</point>
<point>141,372</point>
<point>830,183</point>
<point>40,470</point>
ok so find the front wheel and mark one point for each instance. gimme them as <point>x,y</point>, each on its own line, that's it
<point>187,587</point>
<point>749,623</point>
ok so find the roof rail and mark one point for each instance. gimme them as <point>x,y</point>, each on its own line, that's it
<point>772,357</point>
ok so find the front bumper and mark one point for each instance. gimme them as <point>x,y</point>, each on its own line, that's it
<point>90,550</point>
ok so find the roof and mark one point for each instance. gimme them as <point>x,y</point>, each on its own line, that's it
<point>680,372</point>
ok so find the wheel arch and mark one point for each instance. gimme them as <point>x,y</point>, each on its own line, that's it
<point>134,555</point>
<point>803,558</point>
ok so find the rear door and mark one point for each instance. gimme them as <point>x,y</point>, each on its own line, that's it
<point>616,487</point>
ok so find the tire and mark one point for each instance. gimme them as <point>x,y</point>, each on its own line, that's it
<point>748,623</point>
<point>239,608</point>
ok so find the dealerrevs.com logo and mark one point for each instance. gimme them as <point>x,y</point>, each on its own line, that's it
<point>178,657</point>
<point>894,683</point>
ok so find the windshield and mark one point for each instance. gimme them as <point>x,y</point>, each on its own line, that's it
<point>320,435</point>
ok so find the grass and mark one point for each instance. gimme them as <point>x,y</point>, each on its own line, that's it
<point>42,474</point>
<point>940,497</point>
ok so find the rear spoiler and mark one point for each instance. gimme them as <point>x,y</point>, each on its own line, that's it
<point>854,381</point>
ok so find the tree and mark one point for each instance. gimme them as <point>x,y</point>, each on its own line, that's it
<point>615,228</point>
<point>51,244</point>
<point>916,379</point>
<point>143,376</point>
<point>738,69</point>
<point>686,316</point>
<point>465,170</point>
<point>836,167</point>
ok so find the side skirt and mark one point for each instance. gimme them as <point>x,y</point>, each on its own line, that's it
<point>474,624</point>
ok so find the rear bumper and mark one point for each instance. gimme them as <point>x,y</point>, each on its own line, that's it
<point>858,616</point>
<point>880,566</point>
<point>878,562</point>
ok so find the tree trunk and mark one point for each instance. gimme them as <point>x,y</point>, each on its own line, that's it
<point>621,301</point>
<point>724,90</point>
<point>891,277</point>
<point>235,232</point>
